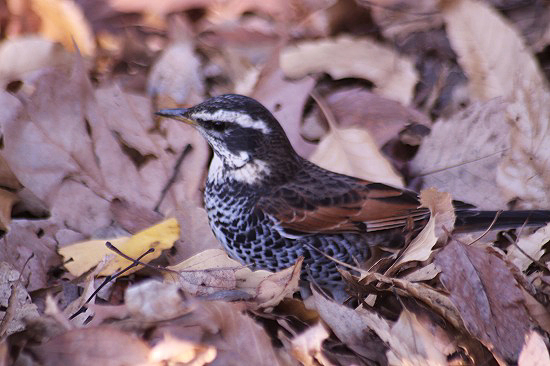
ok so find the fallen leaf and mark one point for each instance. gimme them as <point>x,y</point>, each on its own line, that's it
<point>536,310</point>
<point>440,303</point>
<point>34,241</point>
<point>63,21</point>
<point>353,327</point>
<point>394,75</point>
<point>523,174</point>
<point>16,311</point>
<point>413,344</point>
<point>534,352</point>
<point>7,200</point>
<point>487,296</point>
<point>173,351</point>
<point>442,219</point>
<point>176,75</point>
<point>237,338</point>
<point>88,346</point>
<point>490,50</point>
<point>212,270</point>
<point>354,152</point>
<point>80,257</point>
<point>355,107</point>
<point>274,288</point>
<point>155,301</point>
<point>286,100</point>
<point>466,166</point>
<point>306,347</point>
<point>530,245</point>
<point>37,53</point>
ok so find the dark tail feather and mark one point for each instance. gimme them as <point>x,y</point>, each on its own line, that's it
<point>472,220</point>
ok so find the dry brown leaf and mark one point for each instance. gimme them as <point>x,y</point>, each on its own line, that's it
<point>286,100</point>
<point>412,343</point>
<point>524,173</point>
<point>306,347</point>
<point>196,234</point>
<point>176,75</point>
<point>155,301</point>
<point>489,300</point>
<point>393,74</point>
<point>352,327</point>
<point>76,149</point>
<point>537,311</point>
<point>354,152</point>
<point>437,301</point>
<point>353,107</point>
<point>490,50</point>
<point>212,270</point>
<point>461,154</point>
<point>442,219</point>
<point>176,351</point>
<point>531,245</point>
<point>534,352</point>
<point>17,311</point>
<point>238,339</point>
<point>406,21</point>
<point>35,241</point>
<point>7,200</point>
<point>92,346</point>
<point>498,63</point>
<point>274,288</point>
<point>80,257</point>
<point>63,21</point>
<point>21,55</point>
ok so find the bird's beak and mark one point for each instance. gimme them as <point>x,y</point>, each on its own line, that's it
<point>177,114</point>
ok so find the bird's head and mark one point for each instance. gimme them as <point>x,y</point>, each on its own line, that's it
<point>239,129</point>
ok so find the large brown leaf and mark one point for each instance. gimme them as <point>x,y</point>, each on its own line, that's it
<point>487,297</point>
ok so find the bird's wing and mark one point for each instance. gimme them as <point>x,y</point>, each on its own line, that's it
<point>337,204</point>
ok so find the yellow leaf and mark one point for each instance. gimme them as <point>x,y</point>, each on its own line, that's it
<point>85,255</point>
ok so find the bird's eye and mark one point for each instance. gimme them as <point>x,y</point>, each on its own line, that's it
<point>217,126</point>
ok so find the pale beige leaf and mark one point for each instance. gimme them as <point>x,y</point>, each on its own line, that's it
<point>172,350</point>
<point>217,259</point>
<point>524,172</point>
<point>534,352</point>
<point>462,153</point>
<point>393,74</point>
<point>177,75</point>
<point>16,303</point>
<point>530,245</point>
<point>274,288</point>
<point>24,54</point>
<point>413,344</point>
<point>166,303</point>
<point>352,151</point>
<point>490,50</point>
<point>63,21</point>
<point>442,218</point>
<point>306,347</point>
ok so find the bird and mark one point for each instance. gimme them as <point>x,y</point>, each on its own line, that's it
<point>268,206</point>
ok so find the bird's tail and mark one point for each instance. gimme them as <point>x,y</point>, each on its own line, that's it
<point>473,220</point>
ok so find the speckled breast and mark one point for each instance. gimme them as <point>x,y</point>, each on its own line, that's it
<point>247,234</point>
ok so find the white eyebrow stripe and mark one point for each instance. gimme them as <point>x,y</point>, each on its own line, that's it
<point>242,119</point>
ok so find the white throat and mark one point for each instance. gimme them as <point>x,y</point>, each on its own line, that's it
<point>239,168</point>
